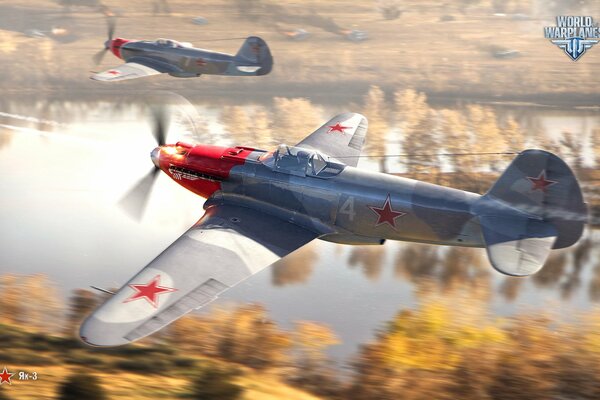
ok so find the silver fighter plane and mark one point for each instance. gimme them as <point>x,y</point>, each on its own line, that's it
<point>263,205</point>
<point>181,60</point>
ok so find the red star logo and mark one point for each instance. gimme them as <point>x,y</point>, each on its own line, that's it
<point>200,62</point>
<point>149,291</point>
<point>385,214</point>
<point>113,72</point>
<point>541,183</point>
<point>337,128</point>
<point>5,377</point>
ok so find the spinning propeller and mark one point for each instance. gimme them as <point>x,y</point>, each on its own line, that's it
<point>162,106</point>
<point>111,22</point>
<point>136,200</point>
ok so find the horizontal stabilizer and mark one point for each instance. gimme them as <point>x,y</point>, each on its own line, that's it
<point>517,245</point>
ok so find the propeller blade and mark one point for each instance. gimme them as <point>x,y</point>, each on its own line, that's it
<point>99,56</point>
<point>135,201</point>
<point>188,116</point>
<point>161,125</point>
<point>112,24</point>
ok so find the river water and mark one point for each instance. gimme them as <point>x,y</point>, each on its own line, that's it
<point>65,165</point>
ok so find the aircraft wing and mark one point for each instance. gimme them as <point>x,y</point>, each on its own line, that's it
<point>129,70</point>
<point>341,138</point>
<point>227,245</point>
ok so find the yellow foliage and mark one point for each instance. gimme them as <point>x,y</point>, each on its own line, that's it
<point>434,337</point>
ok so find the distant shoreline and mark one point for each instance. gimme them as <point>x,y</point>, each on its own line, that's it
<point>319,92</point>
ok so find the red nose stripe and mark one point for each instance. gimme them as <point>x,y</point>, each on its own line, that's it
<point>203,168</point>
<point>217,160</point>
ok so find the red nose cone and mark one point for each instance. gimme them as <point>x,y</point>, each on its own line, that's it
<point>202,168</point>
<point>116,44</point>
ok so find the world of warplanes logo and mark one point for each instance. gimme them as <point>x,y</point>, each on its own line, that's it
<point>574,35</point>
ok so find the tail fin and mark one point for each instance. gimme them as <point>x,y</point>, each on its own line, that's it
<point>255,52</point>
<point>535,206</point>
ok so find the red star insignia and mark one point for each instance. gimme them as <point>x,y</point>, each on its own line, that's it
<point>113,72</point>
<point>337,128</point>
<point>5,377</point>
<point>200,62</point>
<point>541,183</point>
<point>149,291</point>
<point>385,214</point>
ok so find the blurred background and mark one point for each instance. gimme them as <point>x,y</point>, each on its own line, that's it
<point>400,321</point>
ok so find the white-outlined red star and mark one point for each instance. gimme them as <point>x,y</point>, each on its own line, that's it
<point>149,291</point>
<point>386,214</point>
<point>337,128</point>
<point>5,377</point>
<point>541,183</point>
<point>113,72</point>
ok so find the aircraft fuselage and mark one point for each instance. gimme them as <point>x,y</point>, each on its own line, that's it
<point>344,204</point>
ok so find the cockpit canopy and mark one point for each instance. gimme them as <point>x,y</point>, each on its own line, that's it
<point>301,162</point>
<point>172,43</point>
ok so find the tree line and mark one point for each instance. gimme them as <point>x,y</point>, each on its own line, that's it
<point>449,345</point>
<point>407,124</point>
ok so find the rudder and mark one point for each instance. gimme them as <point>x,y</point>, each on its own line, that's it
<point>541,184</point>
<point>255,51</point>
<point>534,207</point>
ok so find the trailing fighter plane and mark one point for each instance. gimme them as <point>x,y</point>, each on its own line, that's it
<point>181,60</point>
<point>263,205</point>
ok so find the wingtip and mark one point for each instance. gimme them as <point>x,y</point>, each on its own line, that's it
<point>96,333</point>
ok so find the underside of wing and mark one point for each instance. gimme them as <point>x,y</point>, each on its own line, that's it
<point>129,70</point>
<point>342,138</point>
<point>228,245</point>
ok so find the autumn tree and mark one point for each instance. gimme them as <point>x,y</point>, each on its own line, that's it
<point>81,303</point>
<point>513,135</point>
<point>263,134</point>
<point>295,268</point>
<point>463,267</point>
<point>487,138</point>
<point>237,124</point>
<point>416,119</point>
<point>253,339</point>
<point>416,262</point>
<point>244,335</point>
<point>81,385</point>
<point>418,351</point>
<point>523,368</point>
<point>40,310</point>
<point>596,145</point>
<point>44,308</point>
<point>293,119</point>
<point>11,301</point>
<point>571,146</point>
<point>369,258</point>
<point>376,110</point>
<point>455,136</point>
<point>315,373</point>
<point>214,383</point>
<point>197,333</point>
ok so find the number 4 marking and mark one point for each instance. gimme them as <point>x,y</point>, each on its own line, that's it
<point>348,208</point>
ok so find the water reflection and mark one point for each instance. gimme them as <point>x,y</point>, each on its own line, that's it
<point>353,289</point>
<point>445,269</point>
<point>295,268</point>
<point>289,120</point>
<point>370,260</point>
